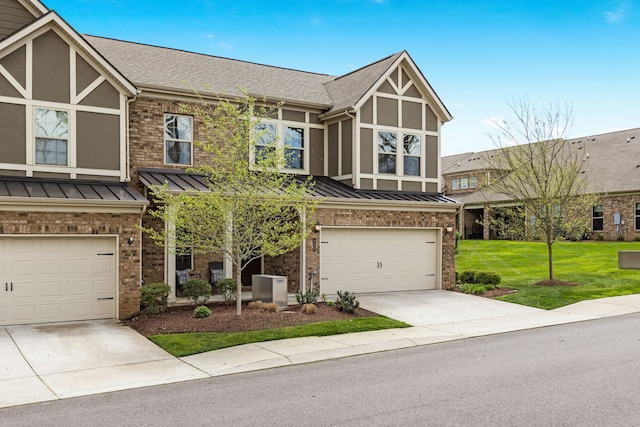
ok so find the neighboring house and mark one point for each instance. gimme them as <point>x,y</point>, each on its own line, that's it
<point>611,166</point>
<point>89,124</point>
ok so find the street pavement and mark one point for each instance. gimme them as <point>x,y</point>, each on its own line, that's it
<point>57,361</point>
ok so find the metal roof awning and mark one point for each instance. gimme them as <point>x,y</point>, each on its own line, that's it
<point>59,192</point>
<point>325,187</point>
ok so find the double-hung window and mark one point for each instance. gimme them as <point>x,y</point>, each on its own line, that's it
<point>411,154</point>
<point>51,132</point>
<point>387,152</point>
<point>178,137</point>
<point>637,216</point>
<point>266,137</point>
<point>402,160</point>
<point>294,147</point>
<point>597,222</point>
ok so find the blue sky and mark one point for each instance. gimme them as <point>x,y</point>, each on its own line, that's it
<point>478,56</point>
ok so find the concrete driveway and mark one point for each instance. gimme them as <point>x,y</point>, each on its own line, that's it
<point>53,361</point>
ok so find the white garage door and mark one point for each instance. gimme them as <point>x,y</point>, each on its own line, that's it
<point>56,279</point>
<point>377,259</point>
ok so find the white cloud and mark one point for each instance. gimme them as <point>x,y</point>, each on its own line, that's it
<point>226,46</point>
<point>316,21</point>
<point>493,122</point>
<point>616,15</point>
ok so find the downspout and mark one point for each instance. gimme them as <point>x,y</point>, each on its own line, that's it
<point>127,142</point>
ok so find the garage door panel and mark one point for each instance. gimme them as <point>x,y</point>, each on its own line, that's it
<point>51,289</point>
<point>380,259</point>
<point>49,266</point>
<point>58,279</point>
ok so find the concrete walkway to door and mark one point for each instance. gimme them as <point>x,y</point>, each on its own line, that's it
<point>48,362</point>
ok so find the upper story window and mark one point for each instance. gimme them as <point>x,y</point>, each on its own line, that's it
<point>412,151</point>
<point>473,182</point>
<point>178,137</point>
<point>455,184</point>
<point>387,150</point>
<point>51,132</point>
<point>292,145</point>
<point>265,140</point>
<point>597,223</point>
<point>404,160</point>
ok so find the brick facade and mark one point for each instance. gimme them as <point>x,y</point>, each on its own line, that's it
<point>69,224</point>
<point>625,206</point>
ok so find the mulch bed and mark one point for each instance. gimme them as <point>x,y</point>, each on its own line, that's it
<point>178,319</point>
<point>556,283</point>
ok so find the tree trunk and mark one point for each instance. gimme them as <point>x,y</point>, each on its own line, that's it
<point>238,288</point>
<point>550,252</point>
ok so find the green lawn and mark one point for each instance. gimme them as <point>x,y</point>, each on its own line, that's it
<point>181,345</point>
<point>592,264</point>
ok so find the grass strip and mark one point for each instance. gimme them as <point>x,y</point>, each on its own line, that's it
<point>594,265</point>
<point>187,344</point>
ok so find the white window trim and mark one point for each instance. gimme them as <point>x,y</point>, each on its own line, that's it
<point>400,134</point>
<point>165,139</point>
<point>280,125</point>
<point>71,148</point>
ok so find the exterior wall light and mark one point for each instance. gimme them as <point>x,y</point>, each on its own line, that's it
<point>317,227</point>
<point>449,229</point>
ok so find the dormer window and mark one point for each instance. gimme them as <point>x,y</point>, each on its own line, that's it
<point>178,136</point>
<point>52,136</point>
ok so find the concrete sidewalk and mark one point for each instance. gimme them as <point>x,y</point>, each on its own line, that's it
<point>49,362</point>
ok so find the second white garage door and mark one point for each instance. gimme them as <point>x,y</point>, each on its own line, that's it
<point>377,259</point>
<point>56,279</point>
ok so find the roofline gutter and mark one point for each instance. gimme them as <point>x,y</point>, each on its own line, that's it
<point>368,204</point>
<point>29,204</point>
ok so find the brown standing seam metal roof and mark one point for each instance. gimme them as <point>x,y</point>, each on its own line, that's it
<point>325,187</point>
<point>67,189</point>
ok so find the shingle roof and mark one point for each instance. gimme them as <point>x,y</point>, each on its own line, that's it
<point>33,188</point>
<point>154,66</point>
<point>611,163</point>
<point>324,187</point>
<point>347,90</point>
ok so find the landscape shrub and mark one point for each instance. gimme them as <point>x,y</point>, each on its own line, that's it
<point>308,297</point>
<point>269,307</point>
<point>197,290</point>
<point>475,289</point>
<point>347,301</point>
<point>228,288</point>
<point>153,297</point>
<point>309,309</point>
<point>201,312</point>
<point>467,276</point>
<point>256,305</point>
<point>487,278</point>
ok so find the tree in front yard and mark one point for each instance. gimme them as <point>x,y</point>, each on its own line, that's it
<point>542,176</point>
<point>251,208</point>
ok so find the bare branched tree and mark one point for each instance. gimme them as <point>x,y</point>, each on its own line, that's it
<point>542,176</point>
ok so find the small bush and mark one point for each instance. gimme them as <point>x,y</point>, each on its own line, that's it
<point>228,289</point>
<point>256,305</point>
<point>269,307</point>
<point>475,289</point>
<point>599,237</point>
<point>153,297</point>
<point>467,276</point>
<point>457,277</point>
<point>197,290</point>
<point>331,303</point>
<point>347,301</point>
<point>487,278</point>
<point>308,297</point>
<point>309,309</point>
<point>201,312</point>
